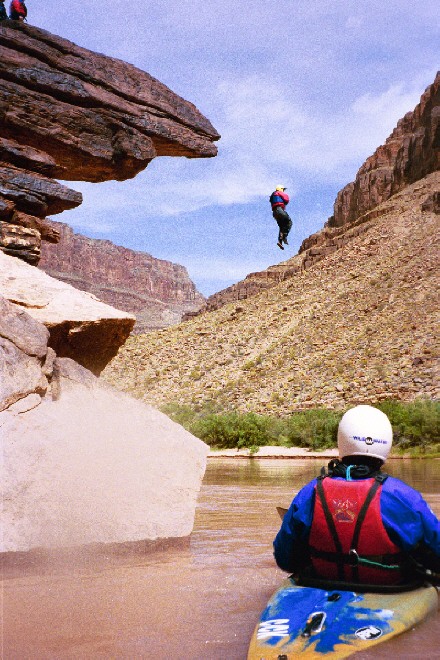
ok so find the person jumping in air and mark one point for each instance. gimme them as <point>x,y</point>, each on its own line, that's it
<point>17,10</point>
<point>279,200</point>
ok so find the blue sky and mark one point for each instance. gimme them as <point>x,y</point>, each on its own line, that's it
<point>301,92</point>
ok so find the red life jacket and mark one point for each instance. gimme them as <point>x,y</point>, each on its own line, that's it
<point>347,530</point>
<point>18,8</point>
<point>279,198</point>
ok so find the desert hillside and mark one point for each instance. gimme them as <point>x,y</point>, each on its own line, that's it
<point>359,325</point>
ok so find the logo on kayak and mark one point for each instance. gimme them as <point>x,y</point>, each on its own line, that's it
<point>273,628</point>
<point>368,633</point>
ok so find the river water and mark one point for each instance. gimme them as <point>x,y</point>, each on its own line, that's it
<point>199,602</point>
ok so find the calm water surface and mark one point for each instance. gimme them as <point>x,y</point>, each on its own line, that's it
<point>197,603</point>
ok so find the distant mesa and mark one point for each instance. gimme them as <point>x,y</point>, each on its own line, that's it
<point>68,113</point>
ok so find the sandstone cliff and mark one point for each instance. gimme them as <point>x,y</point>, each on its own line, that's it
<point>68,113</point>
<point>158,292</point>
<point>411,152</point>
<point>360,325</point>
<point>81,463</point>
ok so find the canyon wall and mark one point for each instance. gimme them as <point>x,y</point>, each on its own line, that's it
<point>156,291</point>
<point>410,153</point>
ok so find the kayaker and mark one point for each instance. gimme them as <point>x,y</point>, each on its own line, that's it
<point>354,523</point>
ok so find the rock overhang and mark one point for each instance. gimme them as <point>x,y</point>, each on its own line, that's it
<point>70,114</point>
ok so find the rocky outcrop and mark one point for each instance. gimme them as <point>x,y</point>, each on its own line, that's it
<point>158,292</point>
<point>80,326</point>
<point>411,152</point>
<point>82,463</point>
<point>68,113</point>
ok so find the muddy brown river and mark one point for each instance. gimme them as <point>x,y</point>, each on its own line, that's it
<point>199,602</point>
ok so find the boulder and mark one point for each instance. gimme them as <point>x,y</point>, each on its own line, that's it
<point>82,463</point>
<point>80,326</point>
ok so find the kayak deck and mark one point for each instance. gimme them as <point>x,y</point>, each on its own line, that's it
<point>314,622</point>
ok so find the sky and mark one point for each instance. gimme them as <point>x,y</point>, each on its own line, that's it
<point>301,91</point>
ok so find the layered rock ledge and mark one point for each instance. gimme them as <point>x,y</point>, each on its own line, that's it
<point>71,114</point>
<point>80,326</point>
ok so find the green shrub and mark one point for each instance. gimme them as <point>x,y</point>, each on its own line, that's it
<point>416,426</point>
<point>316,429</point>
<point>183,415</point>
<point>232,430</point>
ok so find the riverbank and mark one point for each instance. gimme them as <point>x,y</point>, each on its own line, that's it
<point>273,452</point>
<point>295,452</point>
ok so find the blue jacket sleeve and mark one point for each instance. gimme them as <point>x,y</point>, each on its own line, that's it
<point>407,517</point>
<point>291,542</point>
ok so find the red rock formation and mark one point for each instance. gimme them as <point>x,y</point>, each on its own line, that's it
<point>411,152</point>
<point>158,292</point>
<point>71,114</point>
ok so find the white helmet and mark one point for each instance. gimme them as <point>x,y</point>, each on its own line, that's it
<point>365,431</point>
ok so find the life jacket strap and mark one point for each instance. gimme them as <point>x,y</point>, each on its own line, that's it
<point>360,521</point>
<point>339,555</point>
<point>386,562</point>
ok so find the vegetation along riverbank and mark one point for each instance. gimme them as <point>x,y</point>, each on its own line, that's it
<point>416,427</point>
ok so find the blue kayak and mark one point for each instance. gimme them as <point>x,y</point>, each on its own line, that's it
<point>311,622</point>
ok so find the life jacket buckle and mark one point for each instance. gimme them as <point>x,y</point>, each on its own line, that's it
<point>353,557</point>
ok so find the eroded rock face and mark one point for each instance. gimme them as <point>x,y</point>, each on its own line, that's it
<point>71,114</point>
<point>158,292</point>
<point>82,463</point>
<point>410,153</point>
<point>80,326</point>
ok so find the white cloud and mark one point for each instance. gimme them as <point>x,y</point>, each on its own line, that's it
<point>354,23</point>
